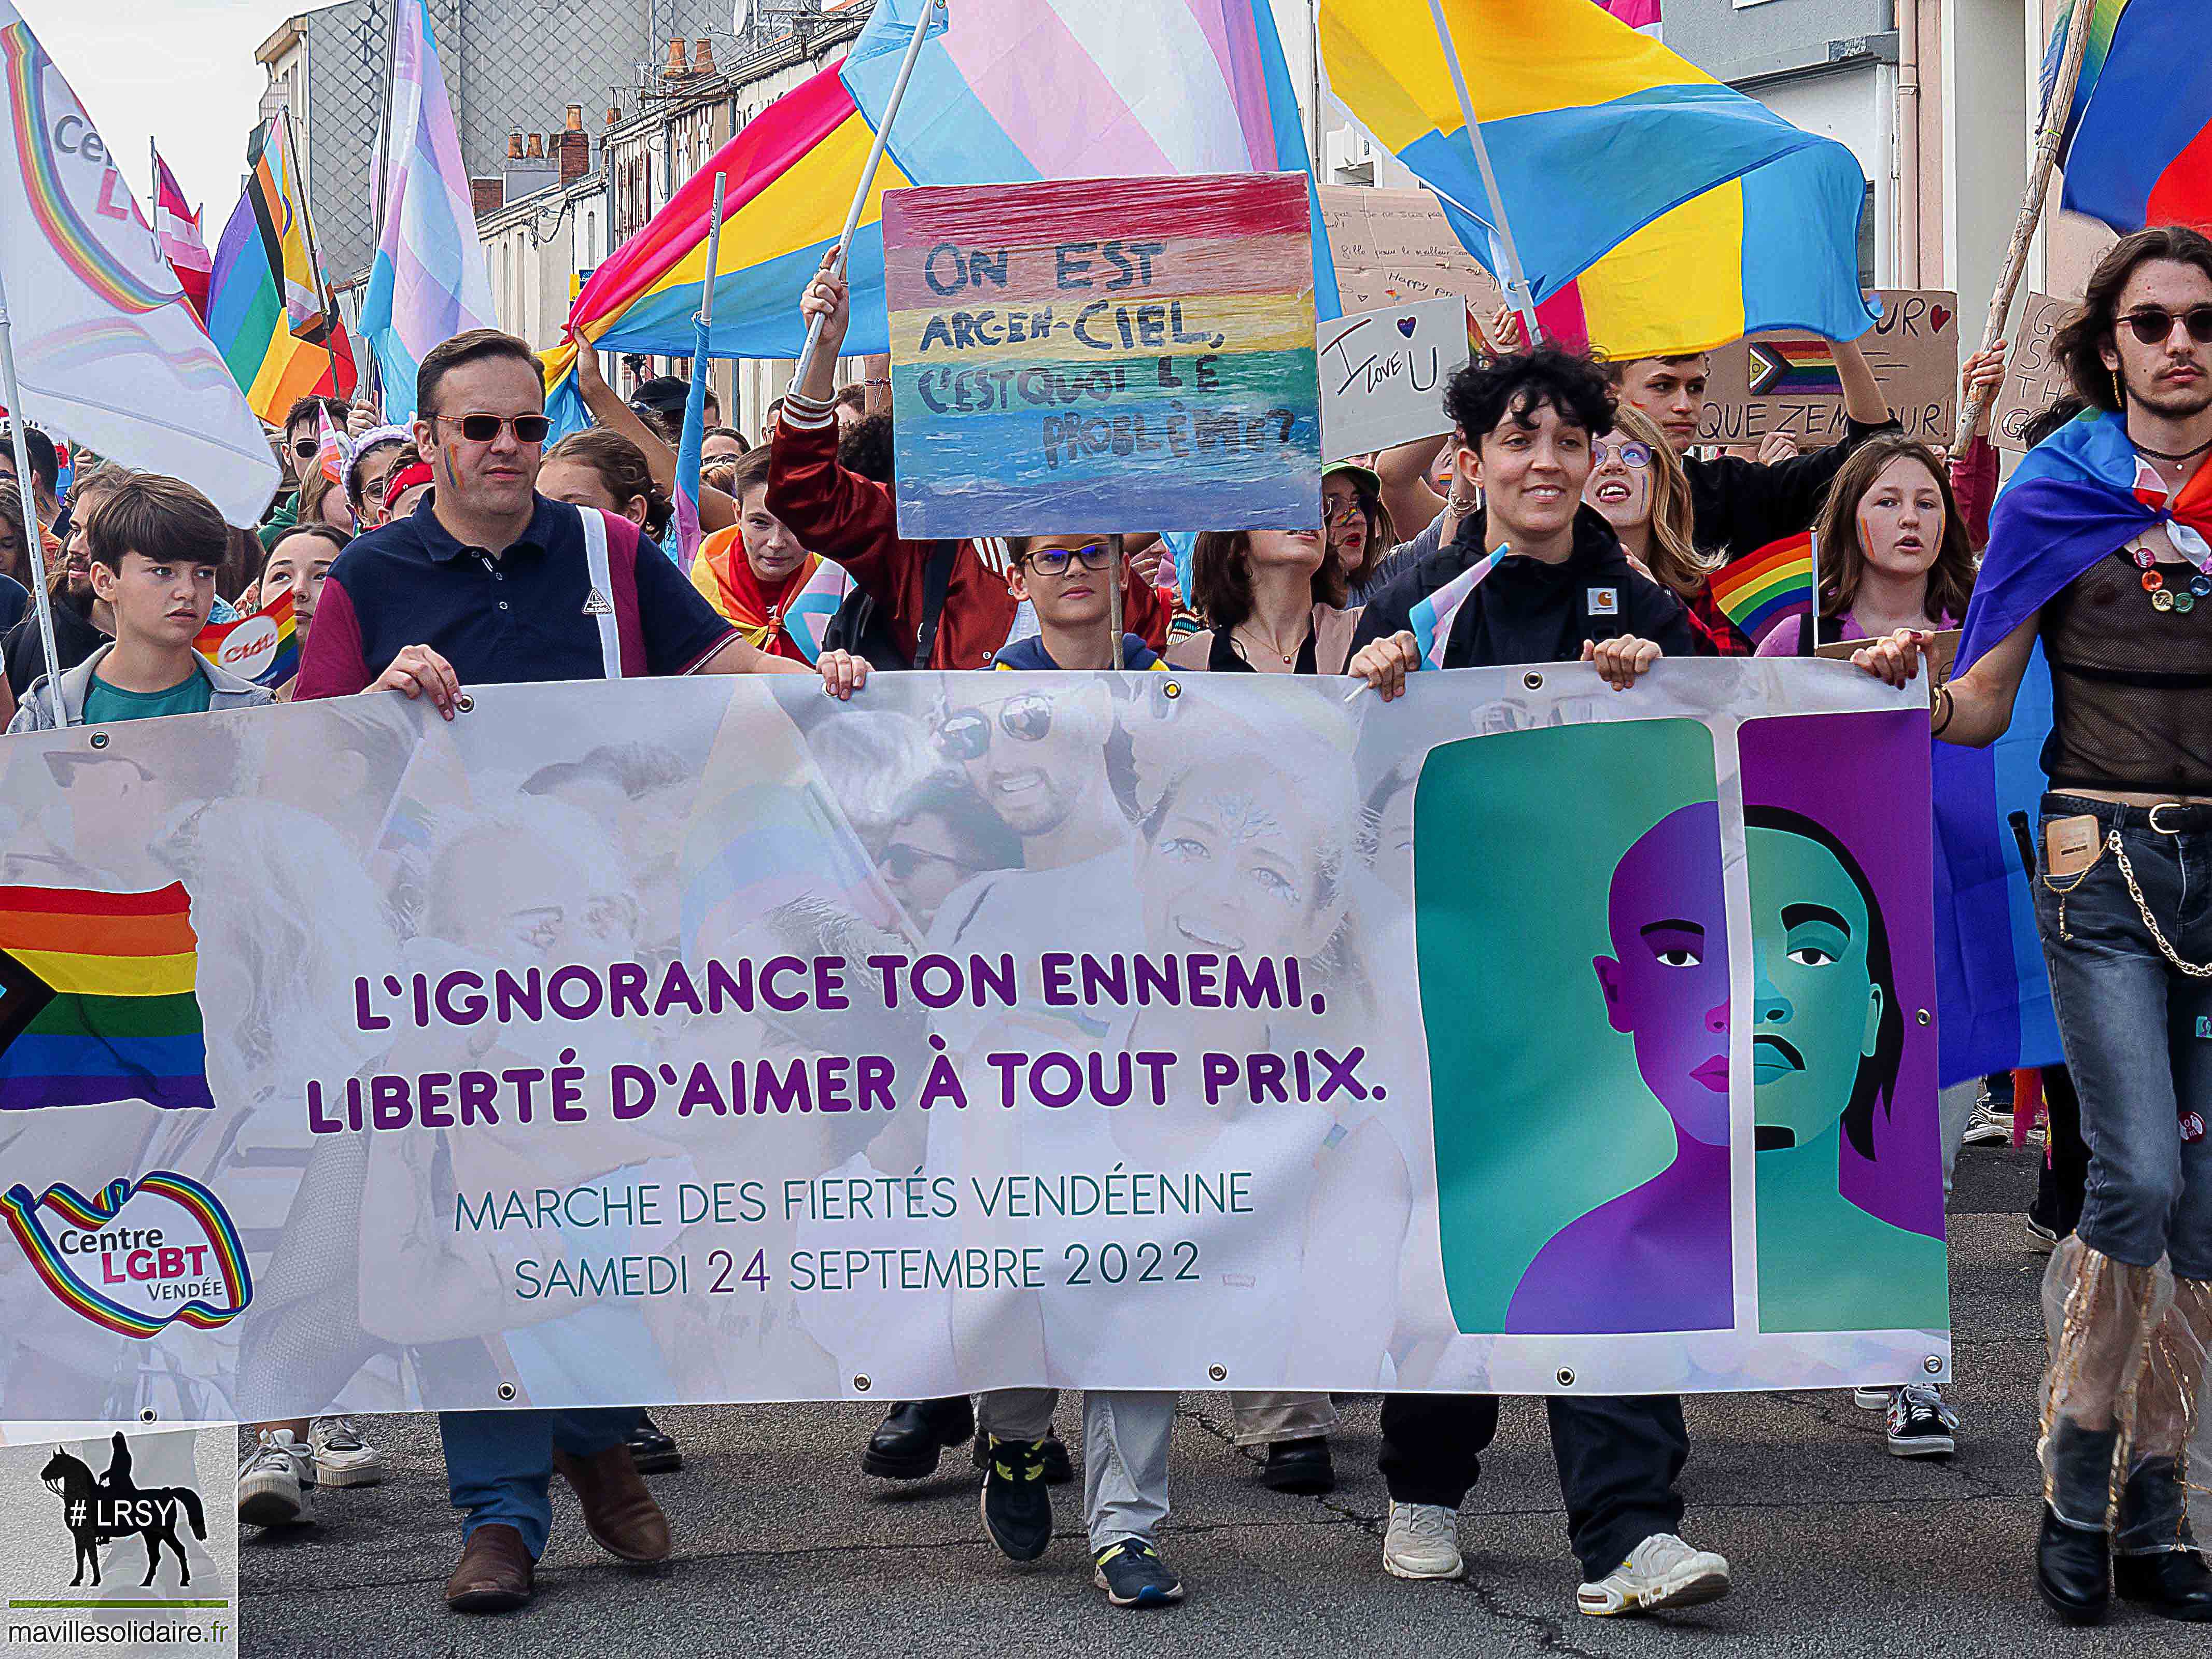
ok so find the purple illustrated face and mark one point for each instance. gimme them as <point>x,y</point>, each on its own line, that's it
<point>1667,983</point>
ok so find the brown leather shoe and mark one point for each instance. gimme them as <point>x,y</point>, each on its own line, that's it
<point>495,1573</point>
<point>618,1509</point>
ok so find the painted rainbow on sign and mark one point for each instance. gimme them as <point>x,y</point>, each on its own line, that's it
<point>80,248</point>
<point>1763,588</point>
<point>1084,356</point>
<point>20,1210</point>
<point>1794,368</point>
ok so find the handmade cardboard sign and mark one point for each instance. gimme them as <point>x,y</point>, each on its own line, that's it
<point>1383,374</point>
<point>1103,354</point>
<point>1785,381</point>
<point>1943,650</point>
<point>2032,380</point>
<point>1395,246</point>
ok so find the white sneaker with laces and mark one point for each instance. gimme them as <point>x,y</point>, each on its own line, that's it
<point>1922,1422</point>
<point>344,1456</point>
<point>1422,1542</point>
<point>277,1482</point>
<point>1876,1399</point>
<point>1662,1571</point>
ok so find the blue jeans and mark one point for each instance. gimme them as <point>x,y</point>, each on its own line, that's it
<point>499,1465</point>
<point>2137,1031</point>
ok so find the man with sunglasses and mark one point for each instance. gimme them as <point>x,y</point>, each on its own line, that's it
<point>486,581</point>
<point>2100,551</point>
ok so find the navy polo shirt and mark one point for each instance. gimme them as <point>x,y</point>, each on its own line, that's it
<point>524,615</point>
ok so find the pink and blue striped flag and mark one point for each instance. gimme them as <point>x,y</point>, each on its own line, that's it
<point>429,281</point>
<point>1431,619</point>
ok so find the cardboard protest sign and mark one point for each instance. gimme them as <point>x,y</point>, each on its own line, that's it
<point>1785,381</point>
<point>1943,650</point>
<point>1383,374</point>
<point>1103,354</point>
<point>2032,380</point>
<point>1395,246</point>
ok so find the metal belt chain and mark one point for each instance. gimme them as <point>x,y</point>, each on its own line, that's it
<point>2195,971</point>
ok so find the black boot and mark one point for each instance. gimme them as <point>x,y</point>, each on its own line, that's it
<point>908,1443</point>
<point>2173,1583</point>
<point>1301,1467</point>
<point>2073,1569</point>
<point>652,1451</point>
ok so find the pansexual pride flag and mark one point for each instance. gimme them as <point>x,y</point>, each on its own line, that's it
<point>264,648</point>
<point>1762,589</point>
<point>1692,214</point>
<point>2138,149</point>
<point>97,999</point>
<point>1145,86</point>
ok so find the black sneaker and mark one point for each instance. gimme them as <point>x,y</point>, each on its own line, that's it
<point>1133,1575</point>
<point>1299,1467</point>
<point>654,1452</point>
<point>1059,1468</point>
<point>1016,1508</point>
<point>1920,1424</point>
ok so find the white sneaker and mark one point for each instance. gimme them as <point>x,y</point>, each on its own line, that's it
<point>277,1483</point>
<point>1662,1571</point>
<point>344,1456</point>
<point>1423,1541</point>
<point>1872,1400</point>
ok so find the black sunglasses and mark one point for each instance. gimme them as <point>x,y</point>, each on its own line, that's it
<point>305,448</point>
<point>484,429</point>
<point>2153,325</point>
<point>965,733</point>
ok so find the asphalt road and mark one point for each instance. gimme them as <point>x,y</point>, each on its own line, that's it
<point>784,1548</point>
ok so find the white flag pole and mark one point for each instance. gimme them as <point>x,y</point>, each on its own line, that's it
<point>1517,284</point>
<point>929,12</point>
<point>11,393</point>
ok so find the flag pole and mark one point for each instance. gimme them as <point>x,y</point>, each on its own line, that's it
<point>324,297</point>
<point>2055,108</point>
<point>1517,284</point>
<point>930,11</point>
<point>11,393</point>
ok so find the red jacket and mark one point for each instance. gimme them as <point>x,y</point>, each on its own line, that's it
<point>854,520</point>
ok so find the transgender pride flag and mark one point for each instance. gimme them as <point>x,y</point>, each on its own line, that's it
<point>429,281</point>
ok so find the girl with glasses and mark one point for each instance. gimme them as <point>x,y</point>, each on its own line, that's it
<point>1637,485</point>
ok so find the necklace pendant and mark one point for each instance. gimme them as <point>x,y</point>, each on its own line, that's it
<point>2161,600</point>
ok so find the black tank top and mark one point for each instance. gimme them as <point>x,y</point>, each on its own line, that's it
<point>2131,685</point>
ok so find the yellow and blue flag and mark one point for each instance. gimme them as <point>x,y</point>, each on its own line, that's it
<point>1690,213</point>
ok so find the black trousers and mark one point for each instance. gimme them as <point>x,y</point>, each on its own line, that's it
<point>2061,1182</point>
<point>1618,1460</point>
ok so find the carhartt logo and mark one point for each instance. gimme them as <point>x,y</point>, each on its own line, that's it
<point>1604,601</point>
<point>595,604</point>
<point>97,1509</point>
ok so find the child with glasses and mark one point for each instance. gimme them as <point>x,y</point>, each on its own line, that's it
<point>1063,581</point>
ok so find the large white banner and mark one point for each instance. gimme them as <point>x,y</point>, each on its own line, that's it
<point>710,1040</point>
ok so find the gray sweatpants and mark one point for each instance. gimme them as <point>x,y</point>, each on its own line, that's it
<point>1125,1452</point>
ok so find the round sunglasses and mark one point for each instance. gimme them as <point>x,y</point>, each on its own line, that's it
<point>2153,325</point>
<point>964,734</point>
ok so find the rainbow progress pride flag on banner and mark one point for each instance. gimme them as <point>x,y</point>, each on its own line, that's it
<point>97,999</point>
<point>1757,591</point>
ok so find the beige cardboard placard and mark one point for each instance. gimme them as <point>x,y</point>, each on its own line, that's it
<point>1941,649</point>
<point>1784,381</point>
<point>2031,380</point>
<point>1395,246</point>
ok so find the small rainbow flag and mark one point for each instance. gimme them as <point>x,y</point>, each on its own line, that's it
<point>264,648</point>
<point>1762,588</point>
<point>97,999</point>
<point>1794,368</point>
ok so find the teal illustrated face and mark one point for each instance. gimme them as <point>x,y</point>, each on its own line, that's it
<point>1817,999</point>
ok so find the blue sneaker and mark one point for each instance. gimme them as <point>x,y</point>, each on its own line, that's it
<point>1133,1575</point>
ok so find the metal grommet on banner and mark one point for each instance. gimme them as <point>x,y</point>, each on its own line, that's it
<point>1533,680</point>
<point>148,1415</point>
<point>1171,690</point>
<point>1218,1373</point>
<point>506,1391</point>
<point>861,1383</point>
<point>1566,1376</point>
<point>1933,1365</point>
<point>100,740</point>
<point>1924,1017</point>
<point>464,702</point>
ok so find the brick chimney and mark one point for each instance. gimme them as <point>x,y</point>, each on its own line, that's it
<point>702,57</point>
<point>573,147</point>
<point>487,196</point>
<point>677,68</point>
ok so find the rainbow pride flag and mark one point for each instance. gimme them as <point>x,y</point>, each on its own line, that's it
<point>1794,368</point>
<point>1760,590</point>
<point>1680,212</point>
<point>264,648</point>
<point>97,1000</point>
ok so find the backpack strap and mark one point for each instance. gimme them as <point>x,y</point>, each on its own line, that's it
<point>936,578</point>
<point>599,604</point>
